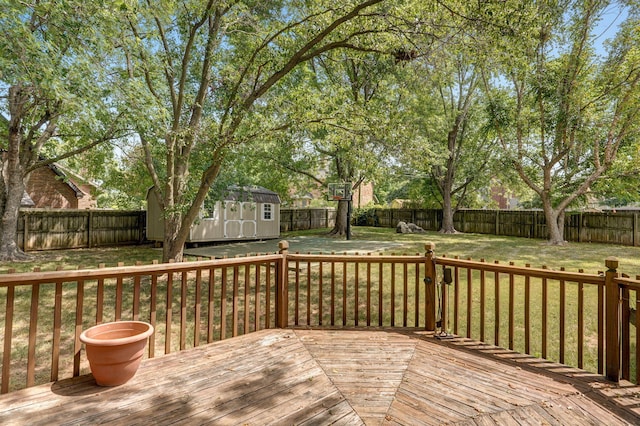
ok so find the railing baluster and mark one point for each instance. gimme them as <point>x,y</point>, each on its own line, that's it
<point>527,313</point>
<point>482,302</point>
<point>235,305</point>
<point>637,342</point>
<point>197,308</point>
<point>368,292</point>
<point>223,304</point>
<point>333,293</point>
<point>456,299</point>
<point>561,324</point>
<point>136,297</point>
<point>100,298</point>
<point>496,320</point>
<point>580,325</point>
<point>544,302</point>
<point>601,335</point>
<point>416,301</point>
<point>625,334</point>
<point>183,311</point>
<point>33,329</point>
<point>356,290</point>
<point>393,294</point>
<point>405,296</point>
<point>168,314</point>
<point>511,309</point>
<point>320,294</point>
<point>153,301</point>
<point>247,301</point>
<point>8,332</point>
<point>77,345</point>
<point>344,293</point>
<point>469,301</point>
<point>211,305</point>
<point>258,290</point>
<point>296,314</point>
<point>57,325</point>
<point>308,293</point>
<point>380,294</point>
<point>119,290</point>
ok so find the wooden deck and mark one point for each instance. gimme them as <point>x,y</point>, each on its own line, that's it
<point>334,377</point>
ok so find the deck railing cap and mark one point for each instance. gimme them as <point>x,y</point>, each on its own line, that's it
<point>611,262</point>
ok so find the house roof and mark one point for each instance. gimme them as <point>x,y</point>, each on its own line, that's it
<point>65,175</point>
<point>26,201</point>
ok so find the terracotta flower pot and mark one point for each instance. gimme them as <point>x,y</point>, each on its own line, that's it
<point>115,349</point>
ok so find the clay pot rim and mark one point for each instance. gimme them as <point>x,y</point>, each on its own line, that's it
<point>143,334</point>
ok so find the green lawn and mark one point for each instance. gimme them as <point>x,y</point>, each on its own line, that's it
<point>572,257</point>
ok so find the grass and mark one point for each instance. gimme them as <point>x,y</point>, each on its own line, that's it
<point>573,256</point>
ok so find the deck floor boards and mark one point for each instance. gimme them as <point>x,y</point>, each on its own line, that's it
<point>335,376</point>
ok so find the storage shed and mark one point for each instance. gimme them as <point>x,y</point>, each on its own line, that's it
<point>248,213</point>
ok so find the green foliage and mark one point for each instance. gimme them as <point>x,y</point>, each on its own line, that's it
<point>562,113</point>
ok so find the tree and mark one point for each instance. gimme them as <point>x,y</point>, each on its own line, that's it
<point>343,126</point>
<point>620,185</point>
<point>197,74</point>
<point>56,99</point>
<point>566,113</point>
<point>452,151</point>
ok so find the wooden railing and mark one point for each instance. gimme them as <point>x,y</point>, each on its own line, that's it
<point>579,319</point>
<point>188,303</point>
<point>534,311</point>
<point>361,290</point>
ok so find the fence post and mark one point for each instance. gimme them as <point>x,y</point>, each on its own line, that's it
<point>89,228</point>
<point>282,287</point>
<point>25,236</point>
<point>430,285</point>
<point>612,320</point>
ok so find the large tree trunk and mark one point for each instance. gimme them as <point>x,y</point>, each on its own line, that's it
<point>340,227</point>
<point>174,240</point>
<point>555,224</point>
<point>10,210</point>
<point>447,213</point>
<point>13,177</point>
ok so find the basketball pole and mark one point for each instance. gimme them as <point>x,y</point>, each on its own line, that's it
<point>349,218</point>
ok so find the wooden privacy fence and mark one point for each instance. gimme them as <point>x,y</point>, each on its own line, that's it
<point>43,229</point>
<point>47,229</point>
<point>583,320</point>
<point>302,219</point>
<point>621,227</point>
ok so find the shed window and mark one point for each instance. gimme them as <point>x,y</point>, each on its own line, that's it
<point>267,211</point>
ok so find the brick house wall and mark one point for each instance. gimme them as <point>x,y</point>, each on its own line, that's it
<point>363,195</point>
<point>48,189</point>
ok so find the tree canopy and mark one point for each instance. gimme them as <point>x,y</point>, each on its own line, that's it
<point>199,94</point>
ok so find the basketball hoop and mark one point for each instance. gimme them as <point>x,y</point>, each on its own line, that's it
<point>339,191</point>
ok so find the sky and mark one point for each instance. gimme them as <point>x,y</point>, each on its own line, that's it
<point>608,27</point>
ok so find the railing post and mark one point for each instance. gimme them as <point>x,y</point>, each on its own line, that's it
<point>430,285</point>
<point>282,287</point>
<point>612,320</point>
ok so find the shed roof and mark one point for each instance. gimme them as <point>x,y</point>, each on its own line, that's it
<point>256,194</point>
